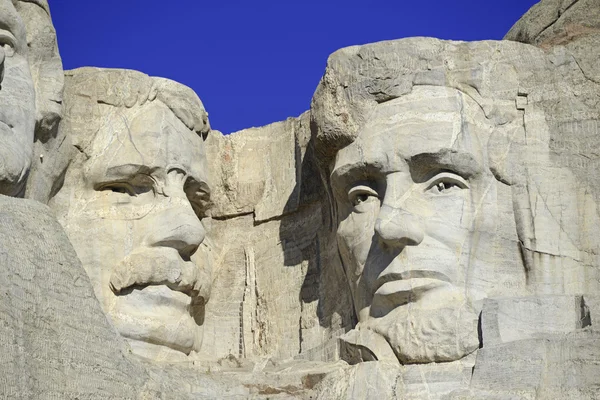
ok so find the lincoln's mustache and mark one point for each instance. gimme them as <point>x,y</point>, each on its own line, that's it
<point>159,266</point>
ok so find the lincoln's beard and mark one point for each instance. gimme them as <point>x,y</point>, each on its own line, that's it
<point>423,334</point>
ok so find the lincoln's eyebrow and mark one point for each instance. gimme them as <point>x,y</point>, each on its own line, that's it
<point>423,165</point>
<point>347,174</point>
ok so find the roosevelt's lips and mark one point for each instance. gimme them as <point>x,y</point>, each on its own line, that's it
<point>157,266</point>
<point>409,281</point>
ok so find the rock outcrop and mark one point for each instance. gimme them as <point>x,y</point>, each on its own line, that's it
<point>429,229</point>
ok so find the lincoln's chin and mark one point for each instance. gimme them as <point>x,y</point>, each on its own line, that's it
<point>425,331</point>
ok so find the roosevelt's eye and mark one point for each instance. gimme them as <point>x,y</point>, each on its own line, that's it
<point>360,195</point>
<point>133,187</point>
<point>118,187</point>
<point>446,183</point>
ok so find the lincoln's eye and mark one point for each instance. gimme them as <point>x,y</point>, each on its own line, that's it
<point>446,182</point>
<point>360,195</point>
<point>361,198</point>
<point>441,186</point>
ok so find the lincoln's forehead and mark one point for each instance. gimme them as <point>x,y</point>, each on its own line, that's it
<point>424,105</point>
<point>427,120</point>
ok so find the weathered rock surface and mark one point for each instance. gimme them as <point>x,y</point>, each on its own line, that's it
<point>557,22</point>
<point>272,254</point>
<point>50,147</point>
<point>55,340</point>
<point>433,221</point>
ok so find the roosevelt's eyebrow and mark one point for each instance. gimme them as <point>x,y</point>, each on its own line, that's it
<point>124,171</point>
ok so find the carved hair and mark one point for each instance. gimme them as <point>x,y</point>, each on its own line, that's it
<point>127,88</point>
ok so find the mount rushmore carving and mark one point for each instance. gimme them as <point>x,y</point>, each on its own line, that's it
<point>428,229</point>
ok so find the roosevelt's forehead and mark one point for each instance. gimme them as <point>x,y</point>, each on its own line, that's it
<point>427,120</point>
<point>149,135</point>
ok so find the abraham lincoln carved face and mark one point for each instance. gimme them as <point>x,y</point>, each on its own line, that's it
<point>416,200</point>
<point>420,208</point>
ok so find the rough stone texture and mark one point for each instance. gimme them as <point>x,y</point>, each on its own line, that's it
<point>50,146</point>
<point>17,99</point>
<point>55,340</point>
<point>272,256</point>
<point>432,220</point>
<point>557,22</point>
<point>259,169</point>
<point>509,319</point>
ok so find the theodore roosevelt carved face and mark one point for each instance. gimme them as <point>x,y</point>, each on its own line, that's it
<point>132,204</point>
<point>417,214</point>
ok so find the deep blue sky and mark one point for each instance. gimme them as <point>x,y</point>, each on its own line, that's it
<point>256,62</point>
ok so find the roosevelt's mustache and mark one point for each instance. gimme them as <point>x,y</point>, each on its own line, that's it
<point>161,266</point>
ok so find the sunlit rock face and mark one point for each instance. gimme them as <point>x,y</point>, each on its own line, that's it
<point>439,160</point>
<point>31,80</point>
<point>435,213</point>
<point>17,103</point>
<point>132,203</point>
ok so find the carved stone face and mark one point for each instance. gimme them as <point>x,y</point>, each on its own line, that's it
<point>17,102</point>
<point>134,219</point>
<point>417,218</point>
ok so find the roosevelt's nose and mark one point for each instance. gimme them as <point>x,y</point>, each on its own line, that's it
<point>177,226</point>
<point>398,228</point>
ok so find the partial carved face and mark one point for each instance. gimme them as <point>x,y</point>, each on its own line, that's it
<point>417,217</point>
<point>135,220</point>
<point>17,102</point>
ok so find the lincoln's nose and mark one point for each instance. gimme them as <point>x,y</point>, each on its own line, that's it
<point>398,228</point>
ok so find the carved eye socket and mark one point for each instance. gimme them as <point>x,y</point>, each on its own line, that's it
<point>446,183</point>
<point>118,187</point>
<point>137,185</point>
<point>7,42</point>
<point>360,195</point>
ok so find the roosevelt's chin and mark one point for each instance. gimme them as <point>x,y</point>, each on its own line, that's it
<point>158,322</point>
<point>437,325</point>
